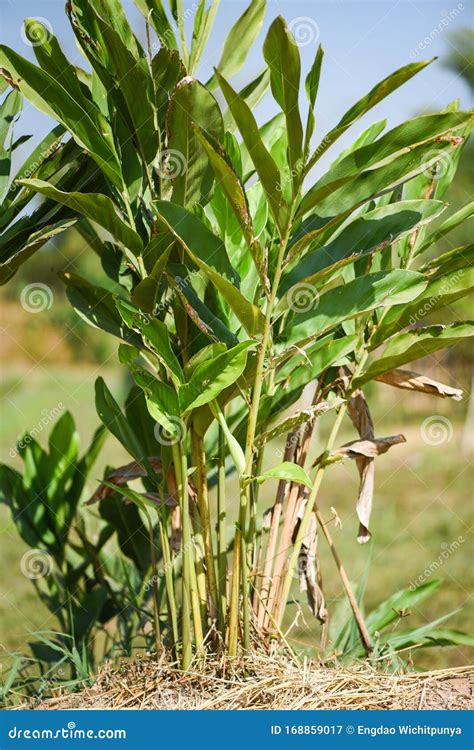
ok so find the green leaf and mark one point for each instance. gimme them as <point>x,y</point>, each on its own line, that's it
<point>9,109</point>
<point>282,56</point>
<point>390,156</point>
<point>233,444</point>
<point>199,312</point>
<point>453,221</point>
<point>300,367</point>
<point>155,336</point>
<point>368,233</point>
<point>375,95</point>
<point>441,291</point>
<point>231,185</point>
<point>353,299</point>
<point>407,347</point>
<point>286,471</point>
<point>131,532</point>
<point>97,306</point>
<point>192,104</point>
<point>112,417</point>
<point>154,11</point>
<point>430,635</point>
<point>140,419</point>
<point>211,377</point>
<point>128,66</point>
<point>82,118</point>
<point>146,291</point>
<point>387,612</point>
<point>312,86</point>
<point>251,94</point>
<point>208,252</point>
<point>267,170</point>
<point>368,136</point>
<point>95,206</point>
<point>10,263</point>
<point>239,40</point>
<point>167,70</point>
<point>339,202</point>
<point>161,400</point>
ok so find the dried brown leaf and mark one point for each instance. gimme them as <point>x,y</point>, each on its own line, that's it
<point>412,381</point>
<point>367,448</point>
<point>121,476</point>
<point>308,567</point>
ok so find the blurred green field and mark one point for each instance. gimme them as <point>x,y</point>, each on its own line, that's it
<point>423,502</point>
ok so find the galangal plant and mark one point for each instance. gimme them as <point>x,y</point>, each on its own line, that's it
<point>242,282</point>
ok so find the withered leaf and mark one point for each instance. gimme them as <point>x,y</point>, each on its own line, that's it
<point>412,381</point>
<point>368,448</point>
<point>308,567</point>
<point>359,413</point>
<point>122,475</point>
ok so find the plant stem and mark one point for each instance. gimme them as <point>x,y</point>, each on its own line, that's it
<point>180,464</point>
<point>240,545</point>
<point>203,508</point>
<point>272,539</point>
<point>221,534</point>
<point>154,570</point>
<point>168,572</point>
<point>310,507</point>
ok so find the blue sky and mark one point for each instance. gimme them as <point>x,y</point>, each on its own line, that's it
<point>363,40</point>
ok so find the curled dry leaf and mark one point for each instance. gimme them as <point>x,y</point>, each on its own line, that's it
<point>412,381</point>
<point>121,476</point>
<point>308,566</point>
<point>366,448</point>
<point>358,410</point>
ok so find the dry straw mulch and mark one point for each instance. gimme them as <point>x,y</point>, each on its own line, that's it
<point>269,682</point>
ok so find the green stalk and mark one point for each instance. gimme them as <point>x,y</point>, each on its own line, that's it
<point>180,464</point>
<point>154,571</point>
<point>221,535</point>
<point>312,506</point>
<point>168,573</point>
<point>240,545</point>
<point>204,513</point>
<point>199,580</point>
